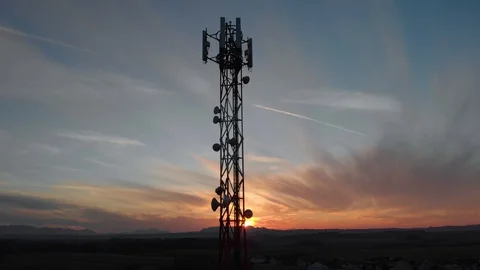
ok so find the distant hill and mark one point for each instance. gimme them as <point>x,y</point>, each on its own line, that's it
<point>215,229</point>
<point>30,230</point>
<point>262,230</point>
<point>22,230</point>
<point>150,231</point>
<point>454,228</point>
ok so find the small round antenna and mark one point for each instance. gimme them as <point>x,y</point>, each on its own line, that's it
<point>219,191</point>
<point>216,147</point>
<point>248,214</point>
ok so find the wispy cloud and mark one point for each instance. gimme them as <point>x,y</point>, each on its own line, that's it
<point>95,137</point>
<point>264,159</point>
<point>345,100</point>
<point>402,176</point>
<point>182,178</point>
<point>135,192</point>
<point>60,168</point>
<point>46,148</point>
<point>194,82</point>
<point>308,118</point>
<point>80,91</point>
<point>51,41</point>
<point>396,179</point>
<point>31,202</point>
<point>101,163</point>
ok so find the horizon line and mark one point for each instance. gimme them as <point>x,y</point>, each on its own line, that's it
<point>251,227</point>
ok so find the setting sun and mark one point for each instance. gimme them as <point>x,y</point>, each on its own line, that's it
<point>249,223</point>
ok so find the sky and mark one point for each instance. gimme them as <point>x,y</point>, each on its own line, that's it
<point>359,114</point>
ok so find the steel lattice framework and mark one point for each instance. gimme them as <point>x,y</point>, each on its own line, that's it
<point>229,116</point>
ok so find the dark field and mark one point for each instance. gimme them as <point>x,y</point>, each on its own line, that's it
<point>153,252</point>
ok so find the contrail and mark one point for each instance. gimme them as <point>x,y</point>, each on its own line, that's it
<point>308,118</point>
<point>51,41</point>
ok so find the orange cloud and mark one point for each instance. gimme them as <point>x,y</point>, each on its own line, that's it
<point>265,159</point>
<point>383,187</point>
<point>404,181</point>
<point>134,197</point>
<point>43,211</point>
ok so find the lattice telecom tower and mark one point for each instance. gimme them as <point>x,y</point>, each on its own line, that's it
<point>229,116</point>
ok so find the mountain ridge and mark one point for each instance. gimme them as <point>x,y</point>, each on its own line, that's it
<point>31,230</point>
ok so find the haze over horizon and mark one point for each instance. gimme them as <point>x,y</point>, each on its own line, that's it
<point>359,114</point>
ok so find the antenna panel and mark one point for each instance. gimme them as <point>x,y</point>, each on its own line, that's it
<point>249,53</point>
<point>222,34</point>
<point>205,46</point>
<point>238,38</point>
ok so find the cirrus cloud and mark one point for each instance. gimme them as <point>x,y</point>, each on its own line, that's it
<point>95,137</point>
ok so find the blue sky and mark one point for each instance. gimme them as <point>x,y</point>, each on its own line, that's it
<point>114,93</point>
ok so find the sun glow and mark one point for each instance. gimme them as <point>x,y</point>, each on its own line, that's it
<point>249,223</point>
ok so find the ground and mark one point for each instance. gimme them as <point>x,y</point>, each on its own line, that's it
<point>332,249</point>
